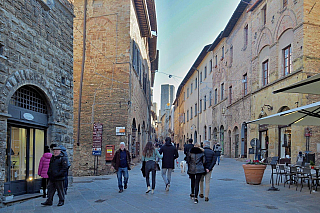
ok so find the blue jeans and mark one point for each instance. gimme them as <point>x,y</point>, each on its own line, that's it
<point>166,175</point>
<point>218,159</point>
<point>124,172</point>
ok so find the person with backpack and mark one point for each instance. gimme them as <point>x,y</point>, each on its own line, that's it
<point>149,155</point>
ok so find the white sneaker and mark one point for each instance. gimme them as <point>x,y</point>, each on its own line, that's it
<point>148,190</point>
<point>152,191</point>
<point>167,187</point>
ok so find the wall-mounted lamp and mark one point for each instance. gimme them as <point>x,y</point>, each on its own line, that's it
<point>269,107</point>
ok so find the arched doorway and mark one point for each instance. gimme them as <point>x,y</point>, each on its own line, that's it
<point>26,138</point>
<point>222,139</point>
<point>244,140</point>
<point>236,141</point>
<point>133,139</point>
<point>229,144</point>
<point>195,137</point>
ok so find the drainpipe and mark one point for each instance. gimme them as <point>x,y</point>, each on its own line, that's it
<point>82,68</point>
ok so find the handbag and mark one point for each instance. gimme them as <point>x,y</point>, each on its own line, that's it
<point>156,166</point>
<point>143,168</point>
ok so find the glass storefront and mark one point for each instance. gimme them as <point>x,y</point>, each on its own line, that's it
<point>285,142</point>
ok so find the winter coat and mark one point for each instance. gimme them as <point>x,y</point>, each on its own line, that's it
<point>64,152</point>
<point>44,165</point>
<point>210,158</point>
<point>116,159</point>
<point>217,150</point>
<point>196,161</point>
<point>169,154</point>
<point>57,168</point>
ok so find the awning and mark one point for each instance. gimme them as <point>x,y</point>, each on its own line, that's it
<point>308,86</point>
<point>308,115</point>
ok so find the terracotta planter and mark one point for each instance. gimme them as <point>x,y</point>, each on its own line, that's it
<point>254,173</point>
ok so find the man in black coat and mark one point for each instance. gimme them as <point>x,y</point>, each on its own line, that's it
<point>170,153</point>
<point>187,148</point>
<point>210,162</point>
<point>57,169</point>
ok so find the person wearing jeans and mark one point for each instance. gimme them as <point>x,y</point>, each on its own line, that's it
<point>121,163</point>
<point>149,155</point>
<point>210,162</point>
<point>196,160</point>
<point>170,153</point>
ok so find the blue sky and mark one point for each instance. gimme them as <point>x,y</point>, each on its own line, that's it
<point>184,28</point>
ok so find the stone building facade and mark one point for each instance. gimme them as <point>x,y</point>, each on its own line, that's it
<point>120,64</point>
<point>266,45</point>
<point>36,84</point>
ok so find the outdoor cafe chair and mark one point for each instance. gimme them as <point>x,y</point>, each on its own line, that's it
<point>281,171</point>
<point>292,174</point>
<point>314,180</point>
<point>304,174</point>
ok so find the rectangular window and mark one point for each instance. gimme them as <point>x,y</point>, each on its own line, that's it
<point>200,77</point>
<point>205,102</point>
<point>191,88</point>
<point>200,106</point>
<point>230,95</point>
<point>191,112</point>
<point>264,14</point>
<point>205,72</point>
<point>285,3</point>
<point>216,62</point>
<point>209,133</point>
<point>222,91</point>
<point>188,93</point>
<point>231,55</point>
<point>265,72</point>
<point>187,115</point>
<point>246,36</point>
<point>222,53</point>
<point>287,65</point>
<point>245,84</point>
<point>210,98</point>
<point>196,83</point>
<point>215,96</point>
<point>195,110</point>
<point>210,65</point>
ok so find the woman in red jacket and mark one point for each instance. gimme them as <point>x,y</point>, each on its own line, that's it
<point>44,167</point>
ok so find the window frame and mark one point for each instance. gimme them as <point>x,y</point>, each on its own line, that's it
<point>246,33</point>
<point>200,106</point>
<point>265,73</point>
<point>288,60</point>
<point>195,109</point>
<point>210,98</point>
<point>230,94</point>
<point>205,72</point>
<point>215,96</point>
<point>245,84</point>
<point>222,91</point>
<point>211,65</point>
<point>205,102</point>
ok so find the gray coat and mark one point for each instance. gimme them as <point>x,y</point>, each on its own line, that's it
<point>196,160</point>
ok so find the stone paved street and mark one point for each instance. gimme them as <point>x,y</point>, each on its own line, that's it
<point>229,193</point>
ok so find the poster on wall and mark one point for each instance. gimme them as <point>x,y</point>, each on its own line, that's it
<point>97,139</point>
<point>120,131</point>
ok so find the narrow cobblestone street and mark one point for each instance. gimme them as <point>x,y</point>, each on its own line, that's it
<point>228,193</point>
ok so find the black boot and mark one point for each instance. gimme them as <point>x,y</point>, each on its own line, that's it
<point>47,203</point>
<point>61,203</point>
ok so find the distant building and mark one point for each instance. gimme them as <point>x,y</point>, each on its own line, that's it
<point>167,97</point>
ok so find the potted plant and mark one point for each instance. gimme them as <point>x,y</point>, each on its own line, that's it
<point>312,164</point>
<point>254,171</point>
<point>8,196</point>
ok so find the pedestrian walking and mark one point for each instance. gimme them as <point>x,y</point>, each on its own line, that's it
<point>57,168</point>
<point>210,162</point>
<point>44,168</point>
<point>196,161</point>
<point>66,182</point>
<point>150,155</point>
<point>121,163</point>
<point>170,153</point>
<point>187,148</point>
<point>217,151</point>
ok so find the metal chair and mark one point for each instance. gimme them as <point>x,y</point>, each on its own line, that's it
<point>314,180</point>
<point>281,171</point>
<point>304,174</point>
<point>292,173</point>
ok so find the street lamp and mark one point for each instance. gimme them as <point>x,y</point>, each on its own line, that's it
<point>196,138</point>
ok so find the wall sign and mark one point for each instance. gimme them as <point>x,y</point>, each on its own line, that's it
<point>120,131</point>
<point>28,116</point>
<point>97,139</point>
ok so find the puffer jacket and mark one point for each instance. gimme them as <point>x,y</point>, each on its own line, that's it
<point>44,165</point>
<point>57,168</point>
<point>64,152</point>
<point>210,158</point>
<point>196,161</point>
